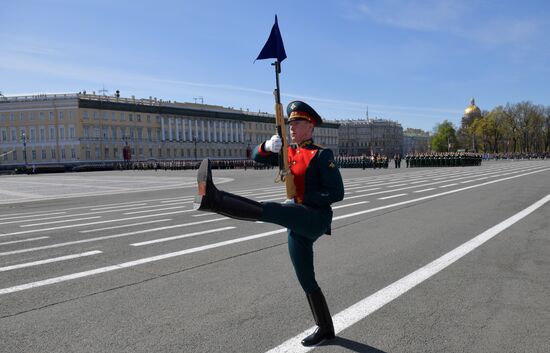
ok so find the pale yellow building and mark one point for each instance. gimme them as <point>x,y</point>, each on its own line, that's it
<point>77,128</point>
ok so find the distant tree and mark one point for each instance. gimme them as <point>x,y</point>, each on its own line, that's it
<point>444,138</point>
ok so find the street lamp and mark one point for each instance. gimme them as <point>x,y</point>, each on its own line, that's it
<point>24,138</point>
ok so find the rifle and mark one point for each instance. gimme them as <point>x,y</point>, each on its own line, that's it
<point>284,174</point>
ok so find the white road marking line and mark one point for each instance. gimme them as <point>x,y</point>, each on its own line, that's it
<point>467,181</point>
<point>423,190</point>
<point>91,223</point>
<point>156,210</point>
<point>161,240</point>
<point>397,185</point>
<point>47,261</point>
<point>273,199</point>
<point>391,197</point>
<point>18,194</point>
<point>115,207</point>
<point>152,208</point>
<point>360,310</point>
<point>205,214</point>
<point>31,215</point>
<point>125,225</point>
<point>134,263</point>
<point>366,190</point>
<point>178,200</point>
<point>88,207</point>
<point>23,240</point>
<point>350,204</point>
<point>448,185</point>
<point>62,221</point>
<point>58,245</point>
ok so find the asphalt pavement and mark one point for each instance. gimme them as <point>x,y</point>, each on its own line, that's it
<point>420,260</point>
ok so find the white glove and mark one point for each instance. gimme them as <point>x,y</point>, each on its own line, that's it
<point>274,144</point>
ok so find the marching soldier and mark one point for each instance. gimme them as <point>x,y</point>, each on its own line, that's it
<point>308,216</point>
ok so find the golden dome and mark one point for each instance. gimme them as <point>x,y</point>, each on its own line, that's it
<point>472,109</point>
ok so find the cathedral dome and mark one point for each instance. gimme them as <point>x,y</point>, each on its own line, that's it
<point>472,109</point>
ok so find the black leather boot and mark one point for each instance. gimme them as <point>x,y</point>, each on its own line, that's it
<point>321,315</point>
<point>211,199</point>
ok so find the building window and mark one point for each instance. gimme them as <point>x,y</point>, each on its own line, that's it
<point>73,153</point>
<point>95,116</point>
<point>71,132</point>
<point>84,114</point>
<point>14,154</point>
<point>50,114</point>
<point>53,153</point>
<point>61,116</point>
<point>130,117</point>
<point>113,116</point>
<point>33,155</point>
<point>122,117</point>
<point>63,153</point>
<point>43,154</point>
<point>31,116</point>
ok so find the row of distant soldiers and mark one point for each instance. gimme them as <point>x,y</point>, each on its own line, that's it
<point>185,165</point>
<point>450,159</point>
<point>376,161</point>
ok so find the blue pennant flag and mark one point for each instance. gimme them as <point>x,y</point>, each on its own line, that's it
<point>274,47</point>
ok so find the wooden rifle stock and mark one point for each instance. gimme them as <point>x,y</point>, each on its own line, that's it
<point>284,171</point>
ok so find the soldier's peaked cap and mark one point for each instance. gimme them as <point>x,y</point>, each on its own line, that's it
<point>299,110</point>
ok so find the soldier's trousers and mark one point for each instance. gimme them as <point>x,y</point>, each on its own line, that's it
<point>305,225</point>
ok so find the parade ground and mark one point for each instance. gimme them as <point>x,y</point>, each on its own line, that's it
<point>453,259</point>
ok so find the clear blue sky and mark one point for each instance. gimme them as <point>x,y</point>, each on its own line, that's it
<point>417,62</point>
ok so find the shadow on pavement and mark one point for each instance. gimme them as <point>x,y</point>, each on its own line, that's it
<point>353,346</point>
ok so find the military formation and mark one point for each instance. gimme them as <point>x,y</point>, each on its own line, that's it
<point>374,162</point>
<point>450,159</point>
